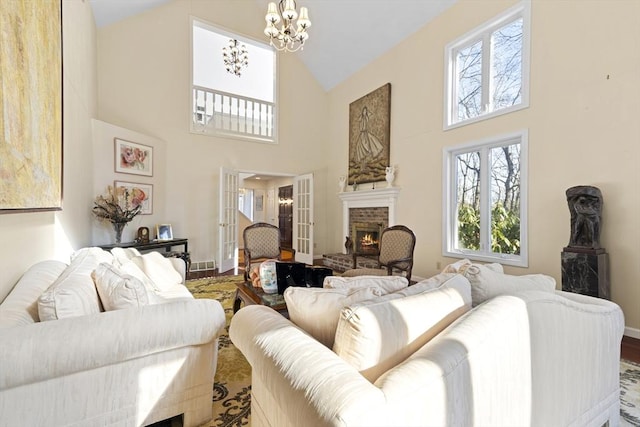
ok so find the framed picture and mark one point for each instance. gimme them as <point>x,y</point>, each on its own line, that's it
<point>164,232</point>
<point>131,157</point>
<point>31,104</point>
<point>369,134</point>
<point>259,202</point>
<point>140,193</point>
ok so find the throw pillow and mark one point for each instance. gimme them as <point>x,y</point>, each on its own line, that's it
<point>118,290</point>
<point>388,283</point>
<point>122,256</point>
<point>159,269</point>
<point>375,336</point>
<point>463,264</point>
<point>132,269</point>
<point>487,283</point>
<point>316,310</point>
<point>74,293</point>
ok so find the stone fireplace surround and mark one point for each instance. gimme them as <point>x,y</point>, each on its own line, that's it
<point>378,205</point>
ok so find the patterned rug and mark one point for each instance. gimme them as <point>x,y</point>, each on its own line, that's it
<point>232,388</point>
<point>232,383</point>
<point>629,393</point>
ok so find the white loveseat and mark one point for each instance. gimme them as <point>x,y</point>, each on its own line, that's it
<point>130,366</point>
<point>521,358</point>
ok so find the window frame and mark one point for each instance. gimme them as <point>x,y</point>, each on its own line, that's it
<point>449,200</point>
<point>203,23</point>
<point>484,32</point>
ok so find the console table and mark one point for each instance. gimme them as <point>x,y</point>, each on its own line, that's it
<point>153,244</point>
<point>158,244</point>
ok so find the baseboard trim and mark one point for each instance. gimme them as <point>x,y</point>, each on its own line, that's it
<point>632,332</point>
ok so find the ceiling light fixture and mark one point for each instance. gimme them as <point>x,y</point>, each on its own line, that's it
<point>235,57</point>
<point>287,38</point>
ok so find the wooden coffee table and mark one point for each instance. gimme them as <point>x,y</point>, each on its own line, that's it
<point>249,295</point>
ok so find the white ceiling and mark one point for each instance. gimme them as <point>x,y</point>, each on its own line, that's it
<point>345,35</point>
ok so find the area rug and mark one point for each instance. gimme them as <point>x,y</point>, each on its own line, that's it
<point>232,388</point>
<point>629,393</point>
<point>232,383</point>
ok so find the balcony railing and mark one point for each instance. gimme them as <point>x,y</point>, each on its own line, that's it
<point>221,113</point>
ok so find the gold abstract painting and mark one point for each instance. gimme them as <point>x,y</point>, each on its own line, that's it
<point>369,134</point>
<point>30,105</point>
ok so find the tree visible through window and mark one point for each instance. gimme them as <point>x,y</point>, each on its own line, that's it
<point>485,200</point>
<point>487,69</point>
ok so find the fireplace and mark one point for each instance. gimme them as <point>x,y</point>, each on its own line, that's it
<point>366,237</point>
<point>376,206</point>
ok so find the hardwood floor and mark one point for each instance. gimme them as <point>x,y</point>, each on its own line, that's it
<point>630,349</point>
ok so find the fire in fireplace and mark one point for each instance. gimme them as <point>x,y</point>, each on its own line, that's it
<point>366,237</point>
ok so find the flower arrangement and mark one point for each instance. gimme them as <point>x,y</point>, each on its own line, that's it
<point>119,206</point>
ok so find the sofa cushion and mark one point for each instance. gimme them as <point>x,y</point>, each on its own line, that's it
<point>463,264</point>
<point>74,293</point>
<point>487,283</point>
<point>388,283</point>
<point>118,290</point>
<point>159,269</point>
<point>154,293</point>
<point>375,336</point>
<point>20,307</point>
<point>132,269</point>
<point>122,256</point>
<point>316,310</point>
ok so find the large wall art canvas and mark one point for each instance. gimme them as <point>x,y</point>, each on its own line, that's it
<point>30,105</point>
<point>369,134</point>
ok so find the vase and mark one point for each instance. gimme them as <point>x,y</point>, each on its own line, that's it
<point>342,184</point>
<point>119,226</point>
<point>390,175</point>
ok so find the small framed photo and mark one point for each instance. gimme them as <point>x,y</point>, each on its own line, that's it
<point>140,194</point>
<point>164,232</point>
<point>133,158</point>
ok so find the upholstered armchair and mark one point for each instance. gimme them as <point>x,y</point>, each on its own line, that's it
<point>261,242</point>
<point>396,253</point>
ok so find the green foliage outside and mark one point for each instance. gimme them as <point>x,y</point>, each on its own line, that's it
<point>505,229</point>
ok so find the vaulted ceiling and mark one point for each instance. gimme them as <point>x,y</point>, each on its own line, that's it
<point>345,35</point>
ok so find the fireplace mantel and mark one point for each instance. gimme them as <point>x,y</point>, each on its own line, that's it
<point>382,197</point>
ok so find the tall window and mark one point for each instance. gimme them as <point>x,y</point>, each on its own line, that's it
<point>487,69</point>
<point>229,105</point>
<point>485,200</point>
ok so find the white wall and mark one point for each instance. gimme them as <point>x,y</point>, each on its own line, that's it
<point>104,174</point>
<point>582,121</point>
<point>144,86</point>
<point>32,237</point>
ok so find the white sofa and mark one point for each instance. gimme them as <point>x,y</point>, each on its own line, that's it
<point>522,358</point>
<point>132,366</point>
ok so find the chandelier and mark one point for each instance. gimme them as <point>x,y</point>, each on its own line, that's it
<point>287,37</point>
<point>235,57</point>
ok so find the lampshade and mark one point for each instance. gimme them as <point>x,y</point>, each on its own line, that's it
<point>272,15</point>
<point>291,34</point>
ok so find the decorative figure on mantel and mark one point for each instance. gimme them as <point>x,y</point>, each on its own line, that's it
<point>585,206</point>
<point>390,175</point>
<point>348,245</point>
<point>342,184</point>
<point>119,207</point>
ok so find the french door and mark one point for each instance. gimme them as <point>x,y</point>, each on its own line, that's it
<point>303,218</point>
<point>228,221</point>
